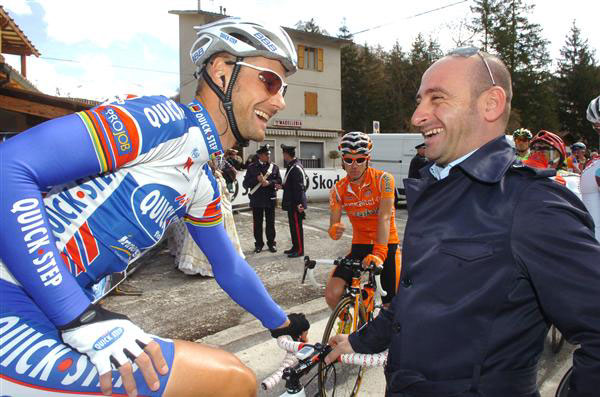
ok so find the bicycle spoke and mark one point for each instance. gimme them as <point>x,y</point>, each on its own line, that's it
<point>341,380</point>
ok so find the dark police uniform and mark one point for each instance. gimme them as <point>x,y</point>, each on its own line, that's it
<point>262,201</point>
<point>293,195</point>
<point>417,163</point>
<point>492,254</point>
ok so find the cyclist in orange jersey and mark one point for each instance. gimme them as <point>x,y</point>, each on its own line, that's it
<point>367,196</point>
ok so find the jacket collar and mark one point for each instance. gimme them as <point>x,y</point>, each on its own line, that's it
<point>488,164</point>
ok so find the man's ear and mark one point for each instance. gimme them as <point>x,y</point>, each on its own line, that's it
<point>494,103</point>
<point>217,70</point>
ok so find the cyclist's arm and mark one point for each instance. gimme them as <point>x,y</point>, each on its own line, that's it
<point>235,275</point>
<point>52,153</point>
<point>386,205</point>
<point>335,207</point>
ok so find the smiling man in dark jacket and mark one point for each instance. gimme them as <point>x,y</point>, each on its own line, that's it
<point>493,253</point>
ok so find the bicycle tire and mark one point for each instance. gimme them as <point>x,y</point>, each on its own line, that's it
<point>563,386</point>
<point>557,340</point>
<point>346,380</point>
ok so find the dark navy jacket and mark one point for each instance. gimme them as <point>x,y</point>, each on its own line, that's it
<point>293,188</point>
<point>263,197</point>
<point>492,254</point>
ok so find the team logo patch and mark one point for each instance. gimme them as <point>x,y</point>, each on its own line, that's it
<point>155,207</point>
<point>188,164</point>
<point>195,108</point>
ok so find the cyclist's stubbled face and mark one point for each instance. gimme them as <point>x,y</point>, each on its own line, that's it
<point>522,144</point>
<point>355,170</point>
<point>253,105</point>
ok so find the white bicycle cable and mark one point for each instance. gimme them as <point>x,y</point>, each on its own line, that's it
<point>291,347</point>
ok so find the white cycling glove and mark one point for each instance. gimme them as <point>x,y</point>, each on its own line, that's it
<point>105,337</point>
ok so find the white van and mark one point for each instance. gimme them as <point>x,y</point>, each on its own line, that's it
<point>392,153</point>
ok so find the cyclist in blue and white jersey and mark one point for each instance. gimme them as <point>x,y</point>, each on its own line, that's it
<point>116,176</point>
<point>590,177</point>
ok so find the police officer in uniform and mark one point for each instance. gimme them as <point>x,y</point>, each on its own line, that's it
<point>261,180</point>
<point>417,162</point>
<point>294,199</point>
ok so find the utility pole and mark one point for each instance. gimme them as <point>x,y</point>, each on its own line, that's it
<point>199,8</point>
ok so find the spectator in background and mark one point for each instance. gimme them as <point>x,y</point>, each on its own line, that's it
<point>251,159</point>
<point>232,157</point>
<point>548,152</point>
<point>261,179</point>
<point>522,137</point>
<point>188,257</point>
<point>294,199</point>
<point>576,161</point>
<point>417,162</point>
<point>590,177</point>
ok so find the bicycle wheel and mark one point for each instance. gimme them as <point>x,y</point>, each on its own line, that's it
<point>557,340</point>
<point>341,380</point>
<point>563,387</point>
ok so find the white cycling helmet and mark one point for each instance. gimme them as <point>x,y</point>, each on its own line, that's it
<point>593,111</point>
<point>355,142</point>
<point>243,38</point>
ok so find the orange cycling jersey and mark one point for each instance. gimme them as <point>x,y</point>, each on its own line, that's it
<point>361,204</point>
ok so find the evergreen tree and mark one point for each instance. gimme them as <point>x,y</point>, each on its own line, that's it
<point>519,43</point>
<point>577,83</point>
<point>310,26</point>
<point>399,101</point>
<point>484,20</point>
<point>353,82</point>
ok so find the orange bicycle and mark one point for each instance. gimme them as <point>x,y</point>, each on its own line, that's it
<point>359,304</point>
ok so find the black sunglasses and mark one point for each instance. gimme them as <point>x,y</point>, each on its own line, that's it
<point>470,51</point>
<point>358,160</point>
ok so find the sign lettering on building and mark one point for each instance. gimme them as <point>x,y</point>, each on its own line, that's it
<point>287,123</point>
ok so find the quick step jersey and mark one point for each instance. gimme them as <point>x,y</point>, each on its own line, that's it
<point>135,165</point>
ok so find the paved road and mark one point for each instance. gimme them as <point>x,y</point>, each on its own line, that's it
<point>195,308</point>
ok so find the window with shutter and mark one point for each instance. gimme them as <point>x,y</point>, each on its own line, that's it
<point>311,104</point>
<point>320,60</point>
<point>310,58</point>
<point>300,56</point>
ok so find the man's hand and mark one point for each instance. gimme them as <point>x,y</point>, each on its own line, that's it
<point>377,256</point>
<point>296,326</point>
<point>336,230</point>
<point>260,178</point>
<point>340,345</point>
<point>300,208</point>
<point>372,259</point>
<point>110,338</point>
<point>264,183</point>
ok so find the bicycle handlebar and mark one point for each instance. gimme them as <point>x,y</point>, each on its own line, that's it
<point>291,347</point>
<point>309,266</point>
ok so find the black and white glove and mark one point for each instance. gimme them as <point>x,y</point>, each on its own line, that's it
<point>105,337</point>
<point>298,324</point>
